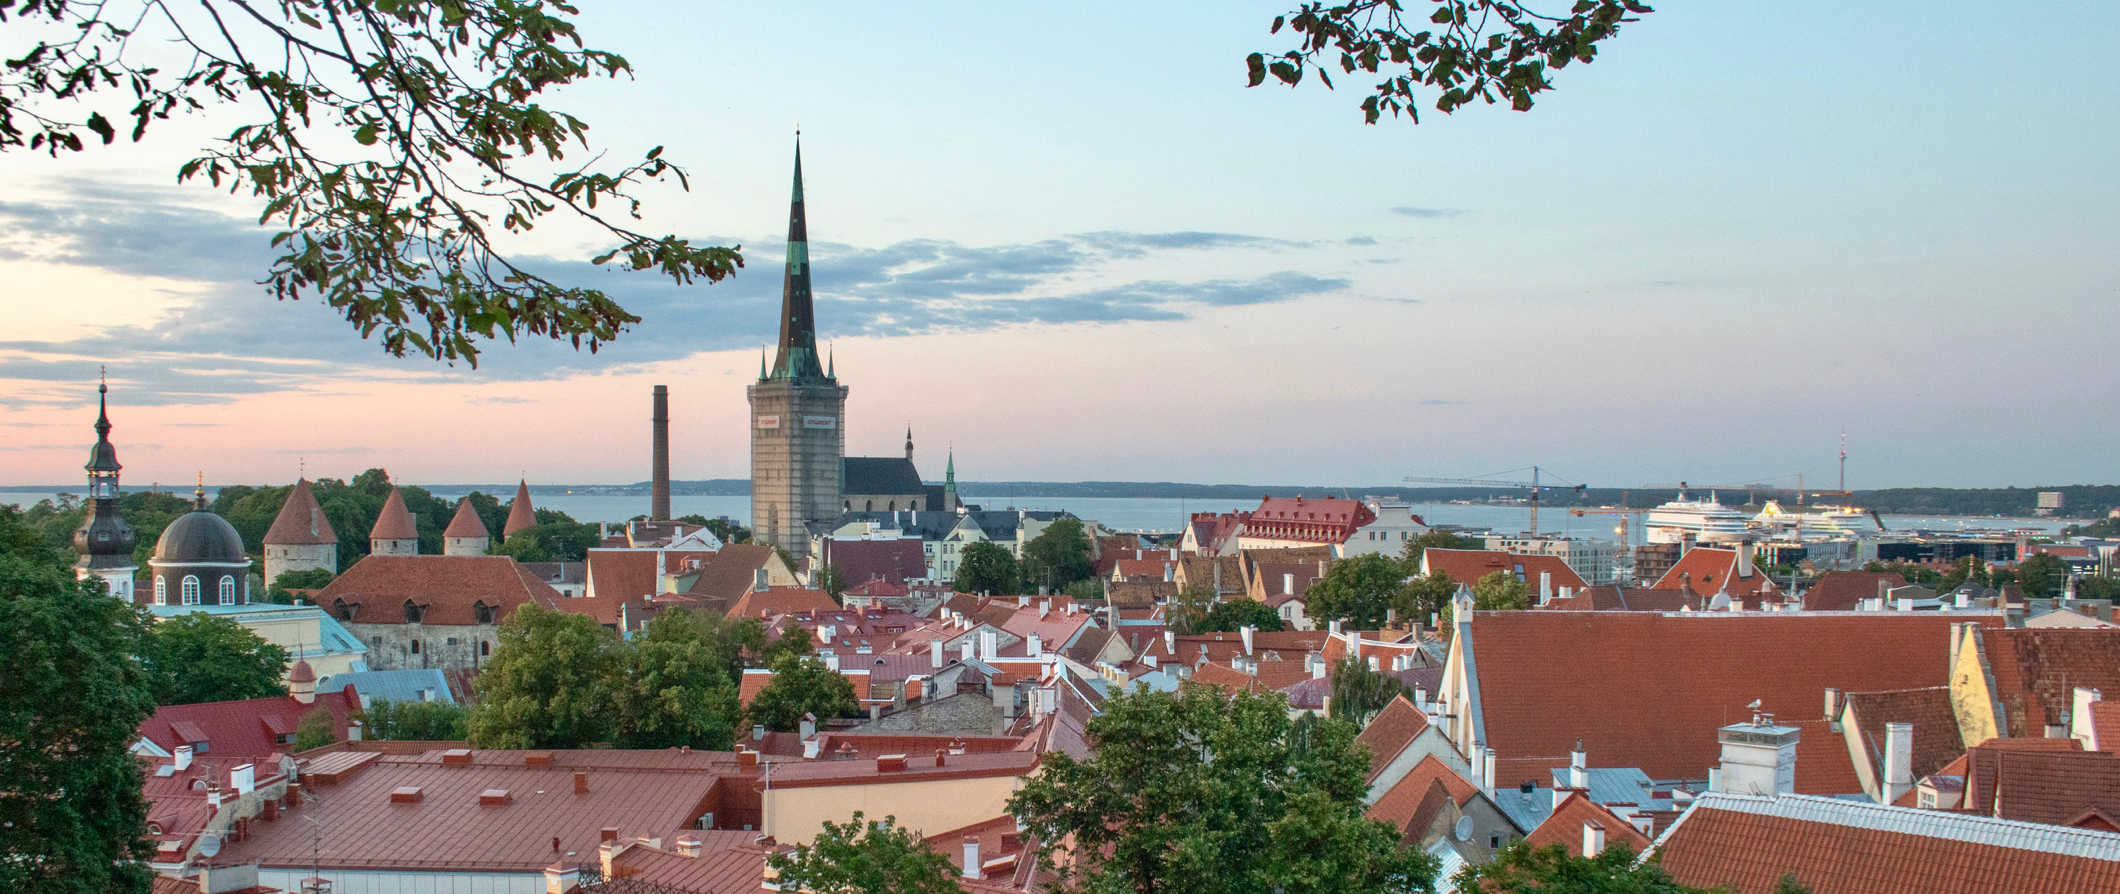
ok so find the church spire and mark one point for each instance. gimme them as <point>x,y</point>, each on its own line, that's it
<point>797,358</point>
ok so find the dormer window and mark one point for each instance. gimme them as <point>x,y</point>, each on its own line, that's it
<point>341,610</point>
<point>413,612</point>
<point>482,612</point>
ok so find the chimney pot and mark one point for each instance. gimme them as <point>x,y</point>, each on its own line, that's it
<point>1593,838</point>
<point>971,856</point>
<point>608,833</point>
<point>581,782</point>
<point>1898,761</point>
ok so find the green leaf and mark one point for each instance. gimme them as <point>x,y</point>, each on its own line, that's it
<point>101,126</point>
<point>366,135</point>
<point>1255,67</point>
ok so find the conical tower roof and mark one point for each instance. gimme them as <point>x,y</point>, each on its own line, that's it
<point>466,523</point>
<point>395,522</point>
<point>301,521</point>
<point>797,356</point>
<point>520,513</point>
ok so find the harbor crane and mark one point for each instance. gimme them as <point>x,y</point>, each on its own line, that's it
<point>1534,486</point>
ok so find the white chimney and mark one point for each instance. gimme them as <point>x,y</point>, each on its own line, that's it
<point>561,878</point>
<point>1593,838</point>
<point>831,660</point>
<point>1579,767</point>
<point>1245,632</point>
<point>1170,641</point>
<point>1487,755</point>
<point>1333,628</point>
<point>1758,758</point>
<point>1045,607</point>
<point>1317,666</point>
<point>1288,582</point>
<point>1744,559</point>
<point>964,648</point>
<point>1898,761</point>
<point>971,857</point>
<point>182,757</point>
<point>1545,587</point>
<point>935,652</point>
<point>244,778</point>
<point>2079,719</point>
<point>989,645</point>
<point>1906,603</point>
<point>807,726</point>
<point>1035,646</point>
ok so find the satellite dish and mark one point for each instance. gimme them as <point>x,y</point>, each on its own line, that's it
<point>209,844</point>
<point>1463,830</point>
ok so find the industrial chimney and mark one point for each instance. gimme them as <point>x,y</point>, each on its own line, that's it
<point>659,506</point>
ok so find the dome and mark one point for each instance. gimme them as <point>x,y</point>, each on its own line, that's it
<point>200,537</point>
<point>302,673</point>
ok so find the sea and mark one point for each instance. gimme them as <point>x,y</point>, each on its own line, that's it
<point>1161,514</point>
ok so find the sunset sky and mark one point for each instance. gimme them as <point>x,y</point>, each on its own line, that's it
<point>1069,242</point>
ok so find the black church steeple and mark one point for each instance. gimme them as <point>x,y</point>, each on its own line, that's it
<point>797,358</point>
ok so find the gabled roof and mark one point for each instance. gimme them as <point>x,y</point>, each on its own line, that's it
<point>301,521</point>
<point>781,601</point>
<point>1839,591</point>
<point>1606,598</point>
<point>245,728</point>
<point>1850,847</point>
<point>622,573</point>
<point>730,574</point>
<point>466,522</point>
<point>1707,571</point>
<point>1467,566</point>
<point>1928,709</point>
<point>728,863</point>
<point>1649,690</point>
<point>2037,671</point>
<point>395,521</point>
<point>861,561</point>
<point>1565,827</point>
<point>1412,805</point>
<point>1390,732</point>
<point>450,587</point>
<point>2041,786</point>
<point>1314,519</point>
<point>892,475</point>
<point>520,513</point>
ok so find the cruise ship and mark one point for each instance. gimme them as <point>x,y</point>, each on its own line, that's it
<point>1700,521</point>
<point>1820,522</point>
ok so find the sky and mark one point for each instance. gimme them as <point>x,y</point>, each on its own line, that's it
<point>1068,243</point>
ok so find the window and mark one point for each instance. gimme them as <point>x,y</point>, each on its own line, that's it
<point>485,647</point>
<point>415,647</point>
<point>482,611</point>
<point>412,614</point>
<point>228,589</point>
<point>1494,842</point>
<point>189,590</point>
<point>161,590</point>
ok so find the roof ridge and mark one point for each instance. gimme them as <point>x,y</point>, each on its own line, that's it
<point>1960,827</point>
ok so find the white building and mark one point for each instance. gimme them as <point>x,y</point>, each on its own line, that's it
<point>1595,560</point>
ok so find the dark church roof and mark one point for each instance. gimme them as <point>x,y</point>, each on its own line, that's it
<point>879,475</point>
<point>197,537</point>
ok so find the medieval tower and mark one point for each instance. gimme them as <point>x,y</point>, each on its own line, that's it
<point>798,411</point>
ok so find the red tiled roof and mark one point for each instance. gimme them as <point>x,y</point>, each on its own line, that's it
<point>861,561</point>
<point>730,574</point>
<point>1410,805</point>
<point>1317,520</point>
<point>1708,571</point>
<point>1225,678</point>
<point>1846,847</point>
<point>722,867</point>
<point>1660,685</point>
<point>1467,566</point>
<point>1625,599</point>
<point>520,513</point>
<point>301,520</point>
<point>1936,738</point>
<point>617,574</point>
<point>2037,671</point>
<point>2105,723</point>
<point>1839,591</point>
<point>1565,827</point>
<point>640,793</point>
<point>395,521</point>
<point>244,728</point>
<point>1390,732</point>
<point>450,587</point>
<point>466,522</point>
<point>782,601</point>
<point>2053,787</point>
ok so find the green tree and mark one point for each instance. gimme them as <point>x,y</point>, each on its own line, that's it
<point>1187,610</point>
<point>1360,591</point>
<point>548,683</point>
<point>2098,588</point>
<point>1084,591</point>
<point>315,730</point>
<point>1500,591</point>
<point>1197,792</point>
<point>1358,693</point>
<point>985,568</point>
<point>72,819</point>
<point>306,579</point>
<point>1230,615</point>
<point>414,721</point>
<point>1521,868</point>
<point>1057,557</point>
<point>197,657</point>
<point>378,133</point>
<point>1426,600</point>
<point>857,857</point>
<point>1466,50</point>
<point>673,686</point>
<point>2043,576</point>
<point>550,541</point>
<point>831,580</point>
<point>1438,539</point>
<point>802,686</point>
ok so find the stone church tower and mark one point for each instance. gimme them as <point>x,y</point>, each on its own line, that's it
<point>798,411</point>
<point>105,540</point>
<point>301,538</point>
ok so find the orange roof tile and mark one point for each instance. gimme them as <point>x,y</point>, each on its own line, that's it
<point>2037,671</point>
<point>466,522</point>
<point>782,601</point>
<point>520,513</point>
<point>375,589</point>
<point>243,729</point>
<point>1467,566</point>
<point>301,520</point>
<point>1565,827</point>
<point>1707,571</point>
<point>1408,801</point>
<point>394,522</point>
<point>1839,591</point>
<point>2041,786</point>
<point>1390,732</point>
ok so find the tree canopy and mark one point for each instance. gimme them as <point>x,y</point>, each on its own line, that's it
<point>1522,868</point>
<point>985,568</point>
<point>1057,557</point>
<point>1463,50</point>
<point>676,683</point>
<point>802,685</point>
<point>865,857</point>
<point>548,684</point>
<point>1360,590</point>
<point>72,818</point>
<point>394,147</point>
<point>1230,615</point>
<point>1358,693</point>
<point>417,721</point>
<point>1197,792</point>
<point>197,657</point>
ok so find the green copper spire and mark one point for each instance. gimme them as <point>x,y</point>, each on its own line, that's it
<point>798,326</point>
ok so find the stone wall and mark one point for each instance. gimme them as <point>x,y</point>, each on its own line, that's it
<point>798,436</point>
<point>299,557</point>
<point>444,646</point>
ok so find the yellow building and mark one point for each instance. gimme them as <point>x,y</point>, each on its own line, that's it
<point>926,792</point>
